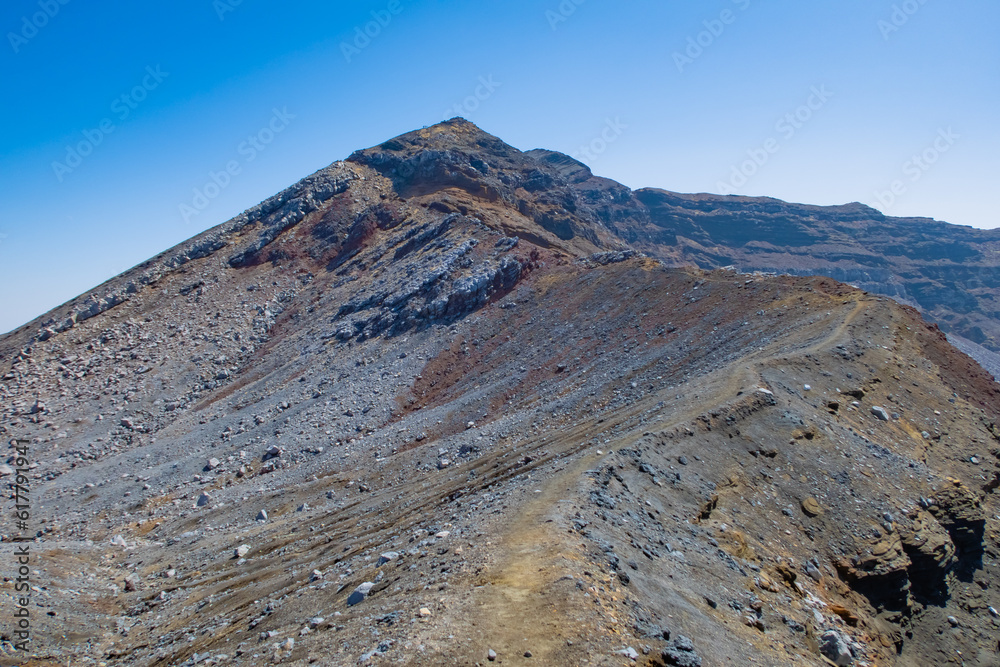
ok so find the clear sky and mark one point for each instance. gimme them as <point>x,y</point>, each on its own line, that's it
<point>115,113</point>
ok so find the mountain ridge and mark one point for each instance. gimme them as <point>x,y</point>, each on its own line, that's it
<point>948,271</point>
<point>427,406</point>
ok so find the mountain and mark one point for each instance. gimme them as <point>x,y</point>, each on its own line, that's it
<point>951,273</point>
<point>432,405</point>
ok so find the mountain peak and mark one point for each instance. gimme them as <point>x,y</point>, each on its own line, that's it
<point>439,364</point>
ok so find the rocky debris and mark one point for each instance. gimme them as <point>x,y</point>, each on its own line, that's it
<point>261,516</point>
<point>203,499</point>
<point>212,464</point>
<point>680,653</point>
<point>835,646</point>
<point>242,550</point>
<point>491,655</point>
<point>880,413</point>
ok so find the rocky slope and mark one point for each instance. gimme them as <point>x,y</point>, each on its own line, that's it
<point>428,407</point>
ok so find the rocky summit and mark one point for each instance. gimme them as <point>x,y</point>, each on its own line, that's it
<point>450,403</point>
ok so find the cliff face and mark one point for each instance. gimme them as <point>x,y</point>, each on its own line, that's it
<point>951,273</point>
<point>428,404</point>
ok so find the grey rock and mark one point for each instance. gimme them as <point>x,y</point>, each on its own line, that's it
<point>360,593</point>
<point>880,413</point>
<point>680,653</point>
<point>835,646</point>
<point>387,557</point>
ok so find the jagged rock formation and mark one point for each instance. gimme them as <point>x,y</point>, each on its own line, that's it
<point>428,406</point>
<point>948,271</point>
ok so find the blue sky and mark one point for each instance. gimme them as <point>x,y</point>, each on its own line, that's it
<point>824,102</point>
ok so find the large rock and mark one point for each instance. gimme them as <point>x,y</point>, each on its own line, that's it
<point>360,593</point>
<point>835,646</point>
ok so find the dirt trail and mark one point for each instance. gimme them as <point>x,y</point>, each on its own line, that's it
<point>530,600</point>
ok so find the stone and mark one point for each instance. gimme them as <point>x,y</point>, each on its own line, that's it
<point>834,646</point>
<point>118,541</point>
<point>204,499</point>
<point>242,550</point>
<point>680,653</point>
<point>491,655</point>
<point>629,653</point>
<point>880,413</point>
<point>360,593</point>
<point>387,557</point>
<point>262,515</point>
<point>212,464</point>
<point>812,507</point>
<point>5,470</point>
<point>425,612</point>
<point>132,583</point>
